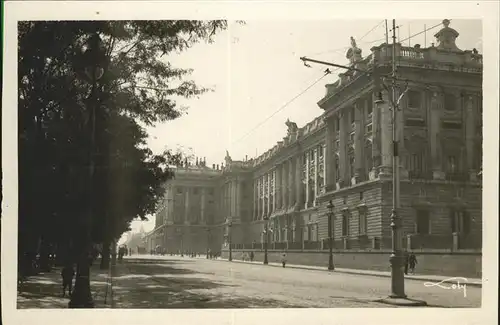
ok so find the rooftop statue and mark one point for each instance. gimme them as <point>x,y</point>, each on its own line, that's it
<point>292,126</point>
<point>446,37</point>
<point>354,53</point>
<point>228,159</point>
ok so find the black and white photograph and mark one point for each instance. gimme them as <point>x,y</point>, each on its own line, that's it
<point>238,163</point>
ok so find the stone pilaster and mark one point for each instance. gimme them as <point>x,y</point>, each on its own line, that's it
<point>268,192</point>
<point>203,204</point>
<point>470,134</point>
<point>358,143</point>
<point>298,181</point>
<point>291,183</point>
<point>376,136</point>
<point>435,143</point>
<point>284,185</point>
<point>316,174</point>
<point>307,158</point>
<point>239,201</point>
<point>277,186</point>
<point>255,200</point>
<point>264,187</point>
<point>186,207</point>
<point>343,150</point>
<point>385,169</point>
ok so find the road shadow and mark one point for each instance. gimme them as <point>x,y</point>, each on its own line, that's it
<point>45,289</point>
<point>148,286</point>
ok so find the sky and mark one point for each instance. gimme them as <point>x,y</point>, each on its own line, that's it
<point>255,70</point>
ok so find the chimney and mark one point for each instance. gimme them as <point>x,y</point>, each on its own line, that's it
<point>217,166</point>
<point>213,166</point>
<point>204,161</point>
<point>222,166</point>
<point>197,162</point>
<point>246,157</point>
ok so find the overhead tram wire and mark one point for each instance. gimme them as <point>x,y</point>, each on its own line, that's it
<point>338,50</point>
<point>326,72</point>
<point>425,30</point>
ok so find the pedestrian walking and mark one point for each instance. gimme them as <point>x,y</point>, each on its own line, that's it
<point>412,261</point>
<point>67,274</point>
<point>252,256</point>
<point>283,259</point>
<point>407,259</point>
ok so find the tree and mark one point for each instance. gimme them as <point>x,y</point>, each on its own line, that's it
<point>139,86</point>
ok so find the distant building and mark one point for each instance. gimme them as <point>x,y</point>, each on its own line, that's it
<point>187,219</point>
<point>345,156</point>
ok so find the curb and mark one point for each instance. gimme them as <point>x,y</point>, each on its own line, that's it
<point>451,280</point>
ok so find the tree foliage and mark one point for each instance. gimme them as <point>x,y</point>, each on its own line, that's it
<point>139,86</point>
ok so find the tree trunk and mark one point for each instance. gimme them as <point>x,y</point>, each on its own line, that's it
<point>105,256</point>
<point>81,297</point>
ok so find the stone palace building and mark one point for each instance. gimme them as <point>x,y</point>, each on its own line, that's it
<point>345,155</point>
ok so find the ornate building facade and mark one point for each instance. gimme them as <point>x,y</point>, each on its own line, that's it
<point>345,155</point>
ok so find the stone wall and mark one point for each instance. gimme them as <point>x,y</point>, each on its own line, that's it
<point>466,264</point>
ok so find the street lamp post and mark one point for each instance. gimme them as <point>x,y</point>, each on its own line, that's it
<point>229,225</point>
<point>208,241</point>
<point>94,57</point>
<point>266,218</point>
<point>330,207</point>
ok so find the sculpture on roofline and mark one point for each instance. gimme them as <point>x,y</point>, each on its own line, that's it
<point>354,53</point>
<point>228,159</point>
<point>292,126</point>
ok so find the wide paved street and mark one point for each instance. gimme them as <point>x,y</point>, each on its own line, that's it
<point>182,282</point>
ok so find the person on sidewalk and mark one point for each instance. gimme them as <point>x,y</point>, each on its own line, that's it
<point>252,256</point>
<point>412,261</point>
<point>283,259</point>
<point>67,274</point>
<point>407,259</point>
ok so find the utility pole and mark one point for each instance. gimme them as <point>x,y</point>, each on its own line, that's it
<point>396,259</point>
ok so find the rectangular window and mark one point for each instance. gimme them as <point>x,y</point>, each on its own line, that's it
<point>362,221</point>
<point>452,166</point>
<point>369,107</point>
<point>179,190</point>
<point>423,222</point>
<point>368,128</point>
<point>337,123</point>
<point>415,164</point>
<point>345,224</point>
<point>352,165</point>
<point>450,102</point>
<point>460,222</point>
<point>414,99</point>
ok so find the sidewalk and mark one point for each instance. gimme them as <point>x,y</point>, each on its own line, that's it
<point>475,282</point>
<point>45,290</point>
